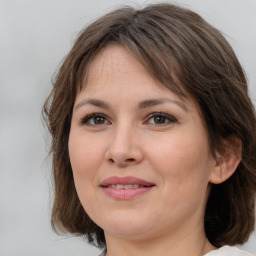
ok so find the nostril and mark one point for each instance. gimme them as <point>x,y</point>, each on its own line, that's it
<point>111,160</point>
<point>130,160</point>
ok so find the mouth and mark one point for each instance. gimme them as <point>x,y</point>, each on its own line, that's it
<point>128,186</point>
<point>125,188</point>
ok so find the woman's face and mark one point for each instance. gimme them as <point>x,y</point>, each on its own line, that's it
<point>140,156</point>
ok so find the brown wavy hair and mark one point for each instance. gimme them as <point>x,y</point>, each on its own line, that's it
<point>186,54</point>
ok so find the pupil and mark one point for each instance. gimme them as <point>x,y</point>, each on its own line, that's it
<point>159,119</point>
<point>99,120</point>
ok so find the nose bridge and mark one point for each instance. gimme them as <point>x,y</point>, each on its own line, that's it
<point>124,145</point>
<point>122,140</point>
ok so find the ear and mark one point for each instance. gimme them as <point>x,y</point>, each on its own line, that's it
<point>227,160</point>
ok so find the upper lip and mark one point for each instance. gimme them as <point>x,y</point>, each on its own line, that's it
<point>125,181</point>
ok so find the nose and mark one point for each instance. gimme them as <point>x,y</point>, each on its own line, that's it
<point>124,148</point>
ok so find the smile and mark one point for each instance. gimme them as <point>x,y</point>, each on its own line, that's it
<point>121,186</point>
<point>125,188</point>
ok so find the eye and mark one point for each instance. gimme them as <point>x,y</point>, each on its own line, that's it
<point>161,119</point>
<point>95,119</point>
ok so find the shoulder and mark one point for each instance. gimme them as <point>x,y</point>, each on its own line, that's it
<point>103,253</point>
<point>228,251</point>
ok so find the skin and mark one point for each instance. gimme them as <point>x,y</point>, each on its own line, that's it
<point>126,140</point>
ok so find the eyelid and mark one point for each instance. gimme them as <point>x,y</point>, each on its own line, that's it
<point>170,118</point>
<point>86,118</point>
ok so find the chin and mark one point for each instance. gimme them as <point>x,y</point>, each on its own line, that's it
<point>126,224</point>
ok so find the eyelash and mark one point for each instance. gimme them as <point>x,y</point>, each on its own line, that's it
<point>167,117</point>
<point>170,119</point>
<point>87,118</point>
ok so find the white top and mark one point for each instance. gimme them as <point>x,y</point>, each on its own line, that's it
<point>228,251</point>
<point>223,251</point>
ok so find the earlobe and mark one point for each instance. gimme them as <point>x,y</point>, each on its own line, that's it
<point>227,161</point>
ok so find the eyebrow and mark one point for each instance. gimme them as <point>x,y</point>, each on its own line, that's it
<point>94,102</point>
<point>143,104</point>
<point>155,102</point>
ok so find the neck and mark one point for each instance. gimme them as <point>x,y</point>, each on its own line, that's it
<point>178,243</point>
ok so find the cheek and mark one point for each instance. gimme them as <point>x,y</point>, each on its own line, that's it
<point>85,161</point>
<point>86,158</point>
<point>85,155</point>
<point>183,158</point>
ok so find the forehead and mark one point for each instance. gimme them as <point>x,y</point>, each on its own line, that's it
<point>116,72</point>
<point>113,61</point>
<point>121,66</point>
<point>116,75</point>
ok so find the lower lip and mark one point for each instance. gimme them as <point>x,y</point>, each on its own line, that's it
<point>126,194</point>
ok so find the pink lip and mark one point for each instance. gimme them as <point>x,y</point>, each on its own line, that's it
<point>125,194</point>
<point>125,181</point>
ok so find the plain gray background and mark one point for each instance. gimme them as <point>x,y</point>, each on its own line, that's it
<point>35,36</point>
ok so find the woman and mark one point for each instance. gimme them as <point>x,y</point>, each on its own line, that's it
<point>154,144</point>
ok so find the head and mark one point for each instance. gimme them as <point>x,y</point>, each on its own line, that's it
<point>190,58</point>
